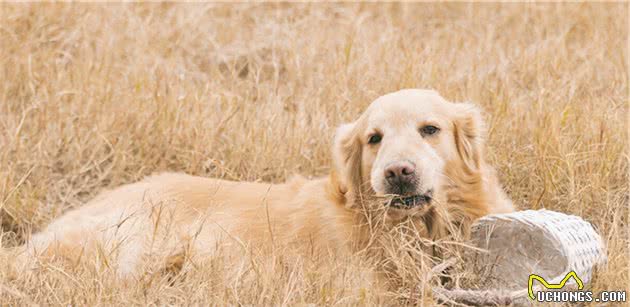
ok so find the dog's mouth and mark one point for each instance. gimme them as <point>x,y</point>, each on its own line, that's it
<point>413,201</point>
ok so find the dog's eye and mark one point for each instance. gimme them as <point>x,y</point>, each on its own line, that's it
<point>375,138</point>
<point>429,130</point>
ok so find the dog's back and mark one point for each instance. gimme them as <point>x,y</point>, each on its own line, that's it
<point>162,215</point>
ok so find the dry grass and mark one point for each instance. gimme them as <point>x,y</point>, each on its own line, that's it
<point>94,96</point>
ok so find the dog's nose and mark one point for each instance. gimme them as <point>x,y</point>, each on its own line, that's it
<point>400,173</point>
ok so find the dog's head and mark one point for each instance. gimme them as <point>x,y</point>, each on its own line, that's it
<point>401,148</point>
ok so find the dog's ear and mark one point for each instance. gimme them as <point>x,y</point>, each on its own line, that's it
<point>469,132</point>
<point>347,158</point>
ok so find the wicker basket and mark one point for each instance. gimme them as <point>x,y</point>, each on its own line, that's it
<point>546,243</point>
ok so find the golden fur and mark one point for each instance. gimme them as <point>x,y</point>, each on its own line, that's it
<point>171,216</point>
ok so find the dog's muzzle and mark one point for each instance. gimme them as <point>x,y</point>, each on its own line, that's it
<point>413,201</point>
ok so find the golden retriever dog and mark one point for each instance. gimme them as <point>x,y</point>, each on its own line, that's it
<point>412,155</point>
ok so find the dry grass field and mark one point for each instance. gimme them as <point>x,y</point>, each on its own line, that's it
<point>94,96</point>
